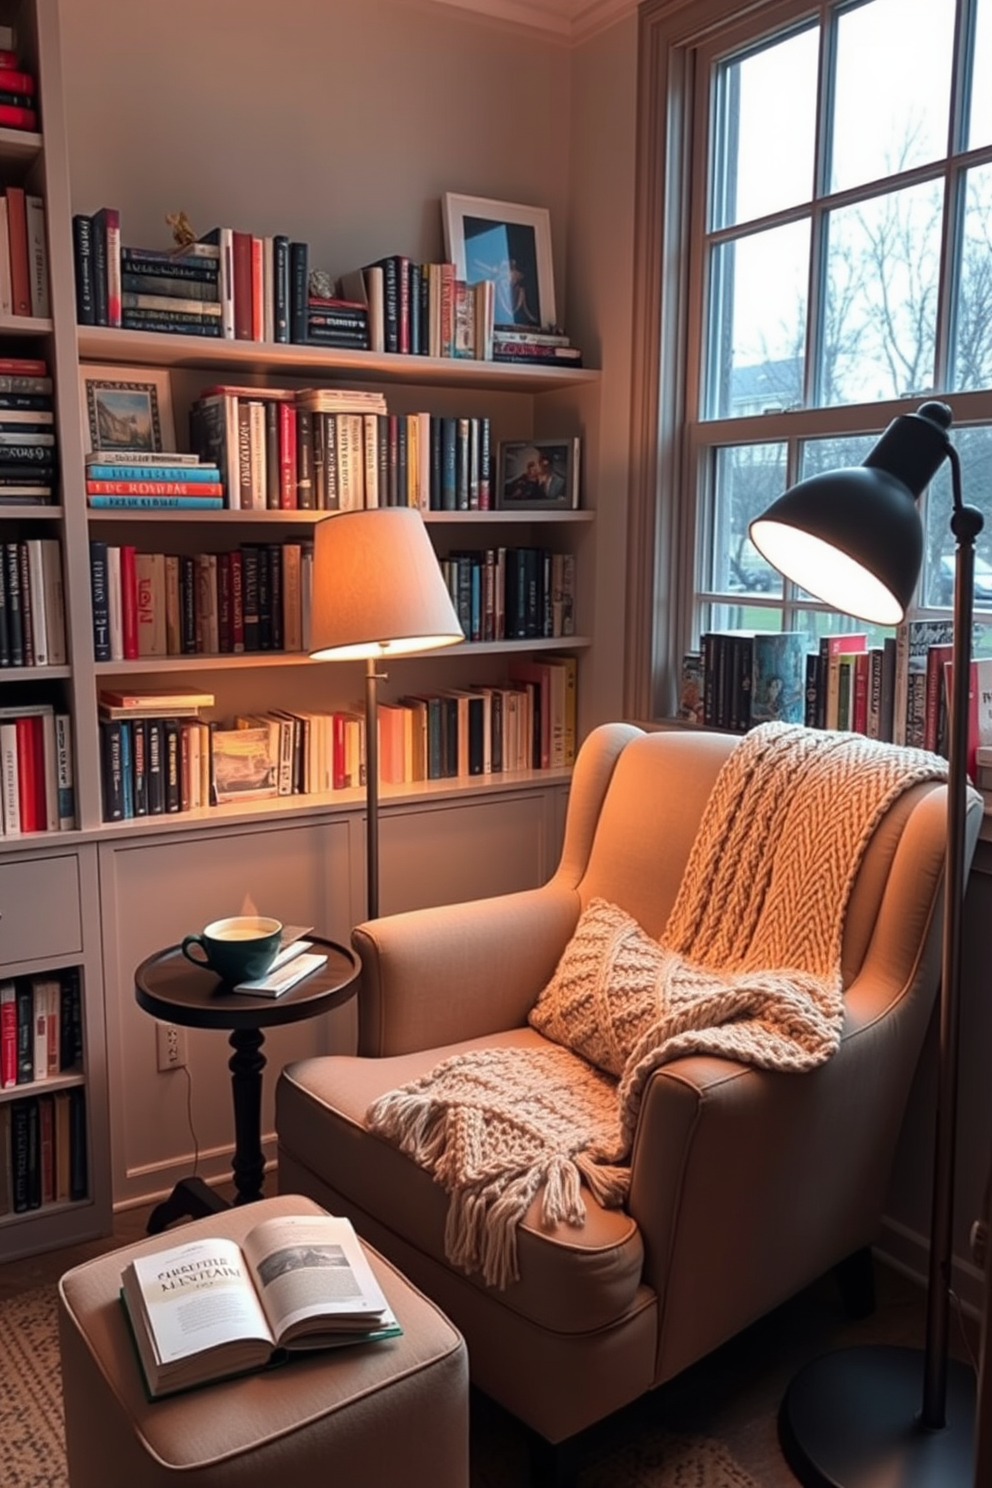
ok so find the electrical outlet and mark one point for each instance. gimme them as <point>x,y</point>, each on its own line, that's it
<point>170,1046</point>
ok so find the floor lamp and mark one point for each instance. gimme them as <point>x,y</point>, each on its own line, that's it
<point>879,1417</point>
<point>378,592</point>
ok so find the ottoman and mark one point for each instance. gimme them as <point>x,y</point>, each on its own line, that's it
<point>370,1415</point>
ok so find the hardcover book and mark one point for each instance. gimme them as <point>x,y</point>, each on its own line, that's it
<point>205,1310</point>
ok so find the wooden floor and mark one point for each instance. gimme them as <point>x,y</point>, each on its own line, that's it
<point>732,1395</point>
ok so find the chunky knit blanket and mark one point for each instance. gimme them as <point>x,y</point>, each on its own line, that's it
<point>748,967</point>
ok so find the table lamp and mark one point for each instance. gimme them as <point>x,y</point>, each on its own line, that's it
<point>874,1416</point>
<point>378,591</point>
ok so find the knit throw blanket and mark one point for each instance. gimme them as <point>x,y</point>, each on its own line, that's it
<point>748,967</point>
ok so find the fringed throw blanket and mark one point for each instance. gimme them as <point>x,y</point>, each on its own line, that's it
<point>748,966</point>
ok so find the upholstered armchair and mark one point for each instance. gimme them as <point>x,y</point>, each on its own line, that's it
<point>745,1183</point>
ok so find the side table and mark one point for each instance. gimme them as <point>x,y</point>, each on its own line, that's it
<point>171,988</point>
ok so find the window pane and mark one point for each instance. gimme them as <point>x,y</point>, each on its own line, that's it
<point>758,166</point>
<point>757,322</point>
<point>817,623</point>
<point>974,447</point>
<point>980,123</point>
<point>746,479</point>
<point>971,341</point>
<point>893,88</point>
<point>879,327</point>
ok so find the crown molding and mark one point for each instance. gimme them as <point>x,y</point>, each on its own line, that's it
<point>570,21</point>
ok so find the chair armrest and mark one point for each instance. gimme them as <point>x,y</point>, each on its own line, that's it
<point>436,976</point>
<point>748,1184</point>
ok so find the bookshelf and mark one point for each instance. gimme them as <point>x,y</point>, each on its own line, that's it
<point>117,882</point>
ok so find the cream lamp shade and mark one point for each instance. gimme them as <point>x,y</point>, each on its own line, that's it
<point>377,587</point>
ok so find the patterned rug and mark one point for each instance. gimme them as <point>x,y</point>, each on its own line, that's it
<point>32,1452</point>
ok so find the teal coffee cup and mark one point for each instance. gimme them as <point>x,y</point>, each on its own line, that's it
<point>239,949</point>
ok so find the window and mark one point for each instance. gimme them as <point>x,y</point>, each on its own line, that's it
<point>835,270</point>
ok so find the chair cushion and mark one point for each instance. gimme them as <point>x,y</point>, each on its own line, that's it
<point>603,994</point>
<point>571,1280</point>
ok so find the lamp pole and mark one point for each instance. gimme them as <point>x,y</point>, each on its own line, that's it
<point>966,524</point>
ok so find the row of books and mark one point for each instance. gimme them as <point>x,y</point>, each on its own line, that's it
<point>32,603</point>
<point>244,286</point>
<point>23,249</point>
<point>512,594</point>
<point>255,597</point>
<point>335,450</point>
<point>43,1150</point>
<point>28,446</point>
<point>896,691</point>
<point>37,793</point>
<point>41,1030</point>
<point>125,478</point>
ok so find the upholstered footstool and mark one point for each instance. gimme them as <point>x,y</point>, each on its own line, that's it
<point>371,1415</point>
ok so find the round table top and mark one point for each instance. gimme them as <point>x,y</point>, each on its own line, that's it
<point>170,987</point>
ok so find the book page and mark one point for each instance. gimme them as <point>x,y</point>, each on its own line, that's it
<point>313,1276</point>
<point>196,1297</point>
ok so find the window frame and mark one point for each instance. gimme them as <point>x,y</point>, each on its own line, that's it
<point>678,43</point>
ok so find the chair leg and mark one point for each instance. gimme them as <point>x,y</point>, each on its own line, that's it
<point>856,1283</point>
<point>554,1464</point>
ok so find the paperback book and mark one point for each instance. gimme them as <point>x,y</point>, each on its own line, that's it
<point>210,1309</point>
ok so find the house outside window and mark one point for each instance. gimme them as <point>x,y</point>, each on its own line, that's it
<point>822,262</point>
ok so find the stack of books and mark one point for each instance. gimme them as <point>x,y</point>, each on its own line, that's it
<point>534,348</point>
<point>333,321</point>
<point>27,433</point>
<point>18,104</point>
<point>169,479</point>
<point>177,291</point>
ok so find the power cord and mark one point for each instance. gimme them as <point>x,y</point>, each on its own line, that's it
<point>189,1119</point>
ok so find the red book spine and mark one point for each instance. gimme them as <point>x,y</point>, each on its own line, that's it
<point>8,58</point>
<point>12,81</point>
<point>153,488</point>
<point>129,602</point>
<point>287,456</point>
<point>27,769</point>
<point>257,290</point>
<point>859,709</point>
<point>20,279</point>
<point>24,366</point>
<point>339,750</point>
<point>224,635</point>
<point>8,1043</point>
<point>403,301</point>
<point>237,603</point>
<point>15,116</point>
<point>243,318</point>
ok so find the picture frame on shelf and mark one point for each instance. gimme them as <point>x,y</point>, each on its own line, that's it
<point>538,474</point>
<point>126,409</point>
<point>511,245</point>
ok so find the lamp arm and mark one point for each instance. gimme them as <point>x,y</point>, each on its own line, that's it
<point>966,524</point>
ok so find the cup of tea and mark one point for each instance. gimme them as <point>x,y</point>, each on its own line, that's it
<point>239,949</point>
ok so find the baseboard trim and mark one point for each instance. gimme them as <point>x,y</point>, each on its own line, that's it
<point>908,1252</point>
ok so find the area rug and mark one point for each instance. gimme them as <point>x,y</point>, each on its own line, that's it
<point>32,1452</point>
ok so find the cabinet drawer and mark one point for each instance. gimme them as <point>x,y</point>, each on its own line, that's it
<point>40,914</point>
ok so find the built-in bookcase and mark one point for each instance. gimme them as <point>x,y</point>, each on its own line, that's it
<point>68,863</point>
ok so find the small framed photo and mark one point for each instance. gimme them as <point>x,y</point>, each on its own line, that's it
<point>509,244</point>
<point>127,409</point>
<point>538,475</point>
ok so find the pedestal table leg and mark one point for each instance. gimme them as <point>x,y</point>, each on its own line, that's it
<point>246,1065</point>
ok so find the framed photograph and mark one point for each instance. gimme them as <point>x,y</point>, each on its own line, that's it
<point>510,245</point>
<point>538,475</point>
<point>127,409</point>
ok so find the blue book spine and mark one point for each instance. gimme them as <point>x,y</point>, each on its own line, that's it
<point>280,283</point>
<point>299,254</point>
<point>157,472</point>
<point>187,503</point>
<point>100,595</point>
<point>127,771</point>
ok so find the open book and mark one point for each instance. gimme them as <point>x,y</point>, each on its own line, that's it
<point>207,1309</point>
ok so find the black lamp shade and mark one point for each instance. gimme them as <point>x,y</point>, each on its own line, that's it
<point>853,538</point>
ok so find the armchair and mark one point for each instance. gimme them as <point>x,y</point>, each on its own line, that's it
<point>745,1184</point>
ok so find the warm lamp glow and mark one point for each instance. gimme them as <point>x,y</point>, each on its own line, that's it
<point>825,572</point>
<point>377,587</point>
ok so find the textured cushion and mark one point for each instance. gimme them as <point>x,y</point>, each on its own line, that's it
<point>604,992</point>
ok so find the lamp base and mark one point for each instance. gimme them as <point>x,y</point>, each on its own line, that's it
<point>850,1420</point>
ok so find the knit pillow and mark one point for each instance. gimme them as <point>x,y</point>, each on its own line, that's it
<point>604,991</point>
